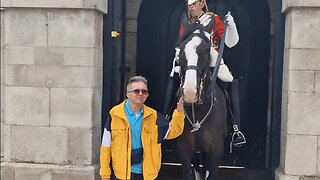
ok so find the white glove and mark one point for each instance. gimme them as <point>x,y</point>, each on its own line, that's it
<point>229,19</point>
<point>175,63</point>
<point>176,57</point>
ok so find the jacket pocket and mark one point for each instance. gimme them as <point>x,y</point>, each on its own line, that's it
<point>152,156</point>
<point>119,146</point>
<point>151,133</point>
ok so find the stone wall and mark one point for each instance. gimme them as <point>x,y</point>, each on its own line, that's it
<point>300,142</point>
<point>51,74</point>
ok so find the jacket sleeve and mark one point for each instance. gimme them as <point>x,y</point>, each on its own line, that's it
<point>176,125</point>
<point>105,151</point>
<point>218,26</point>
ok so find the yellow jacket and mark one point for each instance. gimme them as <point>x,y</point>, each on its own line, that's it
<point>154,128</point>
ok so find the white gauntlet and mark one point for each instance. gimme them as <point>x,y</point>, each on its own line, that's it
<point>232,36</point>
<point>175,63</point>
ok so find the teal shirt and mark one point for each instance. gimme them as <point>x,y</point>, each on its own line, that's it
<point>135,121</point>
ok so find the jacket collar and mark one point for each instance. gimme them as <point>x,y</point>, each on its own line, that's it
<point>119,110</point>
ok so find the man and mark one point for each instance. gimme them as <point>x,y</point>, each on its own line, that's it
<point>133,134</point>
<point>197,12</point>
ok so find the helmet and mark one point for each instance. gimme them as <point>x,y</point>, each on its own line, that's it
<point>205,8</point>
<point>190,1</point>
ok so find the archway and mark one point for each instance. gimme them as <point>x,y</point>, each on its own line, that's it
<point>158,24</point>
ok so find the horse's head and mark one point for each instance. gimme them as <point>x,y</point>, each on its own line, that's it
<point>194,61</point>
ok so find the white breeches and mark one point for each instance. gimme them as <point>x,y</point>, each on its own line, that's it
<point>223,74</point>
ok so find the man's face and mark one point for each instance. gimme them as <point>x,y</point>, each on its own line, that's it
<point>195,9</point>
<point>138,93</point>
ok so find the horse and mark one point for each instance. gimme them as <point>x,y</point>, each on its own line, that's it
<point>205,105</point>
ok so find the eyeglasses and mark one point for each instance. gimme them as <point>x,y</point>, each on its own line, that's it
<point>137,91</point>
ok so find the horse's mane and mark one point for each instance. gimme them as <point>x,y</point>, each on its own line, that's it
<point>190,28</point>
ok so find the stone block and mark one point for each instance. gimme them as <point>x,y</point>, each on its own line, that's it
<point>7,142</point>
<point>98,57</point>
<point>299,37</point>
<point>72,176</point>
<point>25,27</point>
<point>287,35</point>
<point>19,55</point>
<point>304,59</point>
<point>279,175</point>
<point>2,139</point>
<point>97,105</point>
<point>287,4</point>
<point>37,75</point>
<point>39,144</point>
<point>85,77</point>
<point>317,82</point>
<point>303,113</point>
<point>284,113</point>
<point>132,26</point>
<point>310,178</point>
<point>133,9</point>
<point>76,172</point>
<point>27,173</point>
<point>71,107</point>
<point>283,142</point>
<point>301,155</point>
<point>79,56</point>
<point>47,3</point>
<point>318,164</point>
<point>5,3</point>
<point>301,81</point>
<point>101,5</point>
<point>32,171</point>
<point>27,106</point>
<point>7,172</point>
<point>96,143</point>
<point>49,55</point>
<point>98,31</point>
<point>131,53</point>
<point>80,146</point>
<point>77,27</point>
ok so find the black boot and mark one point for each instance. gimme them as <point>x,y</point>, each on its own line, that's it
<point>237,139</point>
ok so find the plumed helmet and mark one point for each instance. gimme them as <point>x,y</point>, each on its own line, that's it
<point>190,1</point>
<point>205,8</point>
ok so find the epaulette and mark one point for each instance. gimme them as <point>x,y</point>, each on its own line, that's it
<point>210,13</point>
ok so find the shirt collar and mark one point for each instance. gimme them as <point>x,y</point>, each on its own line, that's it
<point>128,109</point>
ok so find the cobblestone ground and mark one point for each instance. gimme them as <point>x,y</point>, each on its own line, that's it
<point>174,173</point>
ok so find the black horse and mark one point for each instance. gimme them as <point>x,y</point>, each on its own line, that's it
<point>205,106</point>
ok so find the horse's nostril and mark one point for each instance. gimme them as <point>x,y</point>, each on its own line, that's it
<point>189,95</point>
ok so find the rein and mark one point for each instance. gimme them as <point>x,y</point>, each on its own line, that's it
<point>196,124</point>
<point>218,62</point>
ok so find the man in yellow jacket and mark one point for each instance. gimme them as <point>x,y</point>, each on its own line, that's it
<point>131,142</point>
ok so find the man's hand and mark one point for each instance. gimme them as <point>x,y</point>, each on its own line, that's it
<point>180,105</point>
<point>105,179</point>
<point>229,19</point>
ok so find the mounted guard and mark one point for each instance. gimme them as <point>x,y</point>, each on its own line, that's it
<point>214,29</point>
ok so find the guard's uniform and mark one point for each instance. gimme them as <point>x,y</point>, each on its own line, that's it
<point>214,28</point>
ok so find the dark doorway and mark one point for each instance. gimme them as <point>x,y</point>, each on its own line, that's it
<point>158,24</point>
<point>157,31</point>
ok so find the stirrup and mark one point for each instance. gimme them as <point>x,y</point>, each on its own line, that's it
<point>238,139</point>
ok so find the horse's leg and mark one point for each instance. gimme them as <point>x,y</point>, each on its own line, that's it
<point>196,161</point>
<point>213,160</point>
<point>185,149</point>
